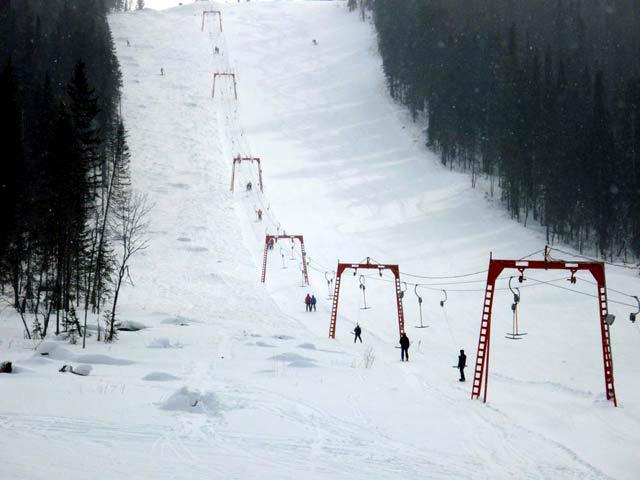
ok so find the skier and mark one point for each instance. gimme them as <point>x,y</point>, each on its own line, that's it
<point>128,43</point>
<point>271,244</point>
<point>357,331</point>
<point>307,302</point>
<point>161,72</point>
<point>216,50</point>
<point>249,186</point>
<point>313,302</point>
<point>462,362</point>
<point>404,347</point>
<point>315,42</point>
<point>259,213</point>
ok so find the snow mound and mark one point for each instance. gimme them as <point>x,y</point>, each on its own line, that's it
<point>131,326</point>
<point>56,352</point>
<point>294,360</point>
<point>307,346</point>
<point>163,342</point>
<point>82,369</point>
<point>178,320</point>
<point>185,400</point>
<point>159,377</point>
<point>282,337</point>
<point>264,344</point>
<point>290,357</point>
<point>302,364</point>
<point>101,359</point>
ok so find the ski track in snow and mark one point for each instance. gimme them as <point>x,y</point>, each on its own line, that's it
<point>272,397</point>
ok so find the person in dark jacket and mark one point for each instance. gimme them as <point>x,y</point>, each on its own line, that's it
<point>462,362</point>
<point>357,331</point>
<point>404,347</point>
<point>307,302</point>
<point>313,302</point>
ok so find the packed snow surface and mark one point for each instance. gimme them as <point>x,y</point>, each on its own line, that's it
<point>256,389</point>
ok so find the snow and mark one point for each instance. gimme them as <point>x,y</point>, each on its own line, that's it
<point>257,389</point>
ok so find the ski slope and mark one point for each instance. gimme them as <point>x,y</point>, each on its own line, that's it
<point>232,379</point>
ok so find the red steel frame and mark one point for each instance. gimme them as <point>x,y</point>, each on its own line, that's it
<point>481,372</point>
<point>240,159</point>
<point>365,266</point>
<point>300,238</point>
<point>207,12</point>
<point>224,74</point>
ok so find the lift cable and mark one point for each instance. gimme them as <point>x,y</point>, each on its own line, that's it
<point>621,265</point>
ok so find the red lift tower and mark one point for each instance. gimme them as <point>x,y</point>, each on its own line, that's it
<point>368,265</point>
<point>211,12</point>
<point>481,372</point>
<point>267,241</point>
<point>240,159</point>
<point>224,74</point>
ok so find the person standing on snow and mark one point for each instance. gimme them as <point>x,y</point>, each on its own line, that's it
<point>462,362</point>
<point>357,331</point>
<point>313,302</point>
<point>404,347</point>
<point>307,302</point>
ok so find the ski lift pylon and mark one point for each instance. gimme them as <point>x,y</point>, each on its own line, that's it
<point>395,270</point>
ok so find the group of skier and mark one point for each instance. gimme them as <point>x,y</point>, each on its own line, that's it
<point>404,350</point>
<point>310,302</point>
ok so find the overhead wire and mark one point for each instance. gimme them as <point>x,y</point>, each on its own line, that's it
<point>591,259</point>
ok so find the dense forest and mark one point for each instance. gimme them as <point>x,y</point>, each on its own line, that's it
<point>64,188</point>
<point>540,97</point>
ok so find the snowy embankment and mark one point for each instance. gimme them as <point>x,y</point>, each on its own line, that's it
<point>232,378</point>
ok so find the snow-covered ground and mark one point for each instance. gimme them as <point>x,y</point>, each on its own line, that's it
<point>232,379</point>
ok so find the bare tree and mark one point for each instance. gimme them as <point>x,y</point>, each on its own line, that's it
<point>130,225</point>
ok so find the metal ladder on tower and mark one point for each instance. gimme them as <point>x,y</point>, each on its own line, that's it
<point>304,262</point>
<point>264,260</point>
<point>606,346</point>
<point>334,307</point>
<point>399,304</point>
<point>482,355</point>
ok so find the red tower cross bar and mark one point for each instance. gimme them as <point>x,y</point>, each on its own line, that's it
<point>267,240</point>
<point>240,159</point>
<point>224,74</point>
<point>481,372</point>
<point>365,266</point>
<point>211,12</point>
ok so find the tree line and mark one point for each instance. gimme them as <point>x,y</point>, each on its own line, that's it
<point>68,212</point>
<point>540,97</point>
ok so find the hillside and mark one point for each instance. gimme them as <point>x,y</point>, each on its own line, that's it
<point>232,378</point>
